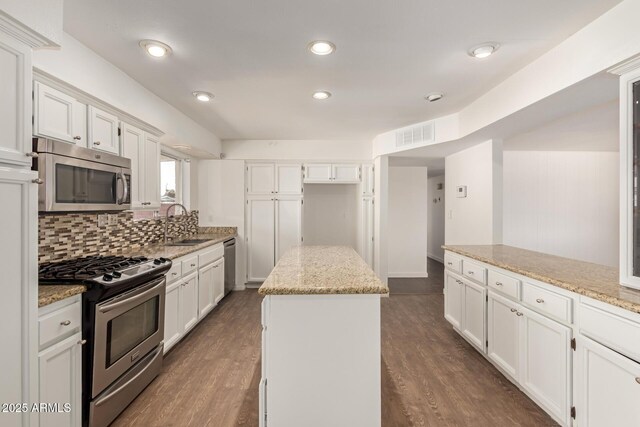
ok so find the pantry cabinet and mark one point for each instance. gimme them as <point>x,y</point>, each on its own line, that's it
<point>270,178</point>
<point>59,116</point>
<point>368,180</point>
<point>102,130</point>
<point>144,151</point>
<point>288,230</point>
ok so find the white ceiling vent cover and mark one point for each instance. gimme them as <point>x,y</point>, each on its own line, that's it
<point>415,135</point>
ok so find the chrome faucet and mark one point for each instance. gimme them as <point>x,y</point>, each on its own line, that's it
<point>166,220</point>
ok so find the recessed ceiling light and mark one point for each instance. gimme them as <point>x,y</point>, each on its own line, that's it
<point>203,96</point>
<point>321,47</point>
<point>155,48</point>
<point>483,50</point>
<point>321,94</point>
<point>433,97</point>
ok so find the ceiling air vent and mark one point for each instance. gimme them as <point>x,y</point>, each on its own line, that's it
<point>415,135</point>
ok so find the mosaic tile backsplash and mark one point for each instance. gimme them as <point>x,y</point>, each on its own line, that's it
<point>73,235</point>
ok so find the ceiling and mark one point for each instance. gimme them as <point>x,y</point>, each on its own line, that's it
<point>252,55</point>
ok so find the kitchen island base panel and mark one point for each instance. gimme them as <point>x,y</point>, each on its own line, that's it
<point>322,361</point>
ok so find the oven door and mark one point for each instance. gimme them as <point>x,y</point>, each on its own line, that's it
<point>127,327</point>
<point>72,184</point>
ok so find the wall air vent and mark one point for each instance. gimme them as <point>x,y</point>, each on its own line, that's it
<point>415,135</point>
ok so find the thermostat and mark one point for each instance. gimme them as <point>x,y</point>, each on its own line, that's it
<point>461,191</point>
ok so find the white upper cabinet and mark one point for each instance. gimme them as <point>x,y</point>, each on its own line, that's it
<point>15,101</point>
<point>326,173</point>
<point>144,151</point>
<point>288,179</point>
<point>59,116</point>
<point>368,179</point>
<point>103,131</point>
<point>261,178</point>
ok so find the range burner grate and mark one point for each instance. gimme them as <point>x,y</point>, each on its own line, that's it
<point>87,267</point>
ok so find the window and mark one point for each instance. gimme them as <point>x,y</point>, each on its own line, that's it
<point>170,182</point>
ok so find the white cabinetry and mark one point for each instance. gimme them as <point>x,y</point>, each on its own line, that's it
<point>205,290</point>
<point>503,333</point>
<point>60,363</point>
<point>144,151</point>
<point>326,173</point>
<point>453,300</point>
<point>189,301</point>
<point>59,116</point>
<point>475,314</point>
<point>288,179</point>
<point>173,327</point>
<point>102,130</point>
<point>218,281</point>
<point>288,230</point>
<point>270,178</point>
<point>15,101</point>
<point>367,227</point>
<point>368,180</point>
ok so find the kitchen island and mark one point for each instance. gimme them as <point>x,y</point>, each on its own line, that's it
<point>321,356</point>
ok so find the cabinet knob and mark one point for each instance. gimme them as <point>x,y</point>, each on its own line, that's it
<point>518,314</point>
<point>96,143</point>
<point>539,300</point>
<point>32,154</point>
<point>65,323</point>
<point>513,310</point>
<point>498,284</point>
<point>449,263</point>
<point>38,181</point>
<point>193,265</point>
<point>82,342</point>
<point>77,138</point>
<point>470,272</point>
<point>174,274</point>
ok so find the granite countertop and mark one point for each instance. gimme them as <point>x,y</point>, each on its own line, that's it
<point>592,280</point>
<point>311,270</point>
<point>48,294</point>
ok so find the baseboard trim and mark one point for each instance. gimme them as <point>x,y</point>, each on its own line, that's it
<point>437,258</point>
<point>423,275</point>
<point>239,287</point>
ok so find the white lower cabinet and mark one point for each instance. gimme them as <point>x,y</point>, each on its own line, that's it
<point>503,333</point>
<point>608,391</point>
<point>475,314</point>
<point>205,290</point>
<point>545,369</point>
<point>60,363</point>
<point>453,299</point>
<point>218,281</point>
<point>189,301</point>
<point>173,316</point>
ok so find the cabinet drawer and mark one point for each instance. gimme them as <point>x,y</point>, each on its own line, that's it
<point>474,271</point>
<point>616,332</point>
<point>189,265</point>
<point>209,255</point>
<point>547,302</point>
<point>174,272</point>
<point>60,323</point>
<point>504,284</point>
<point>453,262</point>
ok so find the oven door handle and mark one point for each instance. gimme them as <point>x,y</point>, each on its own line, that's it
<point>133,299</point>
<point>159,350</point>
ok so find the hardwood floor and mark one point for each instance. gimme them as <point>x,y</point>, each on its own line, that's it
<point>430,375</point>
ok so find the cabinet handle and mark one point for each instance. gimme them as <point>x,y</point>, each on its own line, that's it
<point>82,342</point>
<point>513,310</point>
<point>638,380</point>
<point>518,314</point>
<point>65,323</point>
<point>498,284</point>
<point>193,265</point>
<point>174,274</point>
<point>38,181</point>
<point>539,300</point>
<point>96,143</point>
<point>77,138</point>
<point>470,272</point>
<point>449,263</point>
<point>32,154</point>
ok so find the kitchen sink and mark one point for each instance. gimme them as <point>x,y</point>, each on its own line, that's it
<point>189,242</point>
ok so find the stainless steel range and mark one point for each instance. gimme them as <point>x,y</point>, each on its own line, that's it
<point>123,325</point>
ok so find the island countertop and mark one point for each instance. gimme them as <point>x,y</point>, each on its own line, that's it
<point>309,270</point>
<point>592,280</point>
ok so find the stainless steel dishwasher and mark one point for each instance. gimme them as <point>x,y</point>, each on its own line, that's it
<point>229,265</point>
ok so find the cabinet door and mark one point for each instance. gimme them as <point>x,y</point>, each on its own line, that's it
<point>206,279</point>
<point>60,369</point>
<point>503,333</point>
<point>173,325</point>
<point>133,148</point>
<point>368,180</point>
<point>152,171</point>
<point>453,299</point>
<point>103,131</point>
<point>189,301</point>
<point>318,172</point>
<point>54,114</point>
<point>260,235</point>
<point>346,173</point>
<point>474,317</point>
<point>288,225</point>
<point>218,280</point>
<point>546,362</point>
<point>15,101</point>
<point>608,387</point>
<point>260,178</point>
<point>289,179</point>
<point>367,231</point>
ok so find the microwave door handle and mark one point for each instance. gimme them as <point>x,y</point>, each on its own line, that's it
<point>132,299</point>
<point>125,184</point>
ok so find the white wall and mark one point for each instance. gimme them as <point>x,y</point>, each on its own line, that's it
<point>477,218</point>
<point>563,203</point>
<point>221,202</point>
<point>330,215</point>
<point>407,229</point>
<point>297,150</point>
<point>381,217</point>
<point>435,218</point>
<point>81,67</point>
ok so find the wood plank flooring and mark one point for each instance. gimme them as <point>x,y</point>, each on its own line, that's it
<point>430,375</point>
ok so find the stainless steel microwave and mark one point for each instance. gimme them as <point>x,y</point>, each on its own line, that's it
<point>79,179</point>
